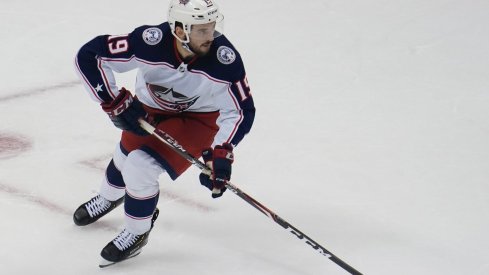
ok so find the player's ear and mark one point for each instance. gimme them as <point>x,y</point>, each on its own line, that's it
<point>179,32</point>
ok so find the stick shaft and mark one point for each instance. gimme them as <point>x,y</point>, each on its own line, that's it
<point>172,143</point>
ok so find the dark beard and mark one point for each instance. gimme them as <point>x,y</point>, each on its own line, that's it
<point>198,52</point>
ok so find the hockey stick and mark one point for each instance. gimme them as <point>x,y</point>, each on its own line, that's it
<point>173,144</point>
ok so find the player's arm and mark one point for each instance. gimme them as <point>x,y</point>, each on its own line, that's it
<point>237,113</point>
<point>99,58</point>
<point>96,62</point>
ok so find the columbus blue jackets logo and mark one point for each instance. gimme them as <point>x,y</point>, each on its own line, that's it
<point>170,100</point>
<point>152,36</point>
<point>226,55</point>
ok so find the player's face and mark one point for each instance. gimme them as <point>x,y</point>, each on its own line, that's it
<point>201,37</point>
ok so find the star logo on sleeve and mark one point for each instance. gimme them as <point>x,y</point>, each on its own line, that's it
<point>99,88</point>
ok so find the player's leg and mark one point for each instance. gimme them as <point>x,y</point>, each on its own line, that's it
<point>141,172</point>
<point>111,194</point>
<point>148,158</point>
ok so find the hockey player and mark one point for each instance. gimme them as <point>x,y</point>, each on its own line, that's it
<point>191,83</point>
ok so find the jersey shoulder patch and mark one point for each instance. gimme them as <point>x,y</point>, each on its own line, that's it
<point>152,36</point>
<point>223,62</point>
<point>226,55</point>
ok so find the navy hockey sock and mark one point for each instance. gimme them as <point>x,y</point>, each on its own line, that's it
<point>114,176</point>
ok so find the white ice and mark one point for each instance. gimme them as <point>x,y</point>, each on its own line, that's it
<point>371,136</point>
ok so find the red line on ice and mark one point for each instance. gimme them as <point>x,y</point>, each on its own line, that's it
<point>34,199</point>
<point>38,91</point>
<point>12,145</point>
<point>48,205</point>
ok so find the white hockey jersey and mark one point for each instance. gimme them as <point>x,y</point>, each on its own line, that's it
<point>215,82</point>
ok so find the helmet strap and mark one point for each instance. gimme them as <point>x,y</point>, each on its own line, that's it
<point>185,43</point>
<point>186,46</point>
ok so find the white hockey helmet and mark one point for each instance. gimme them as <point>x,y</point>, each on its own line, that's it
<point>194,12</point>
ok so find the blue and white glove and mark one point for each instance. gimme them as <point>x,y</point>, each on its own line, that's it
<point>219,160</point>
<point>124,111</point>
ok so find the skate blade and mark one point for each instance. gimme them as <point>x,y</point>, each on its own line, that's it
<point>104,263</point>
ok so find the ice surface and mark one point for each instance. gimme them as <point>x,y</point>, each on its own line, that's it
<point>370,136</point>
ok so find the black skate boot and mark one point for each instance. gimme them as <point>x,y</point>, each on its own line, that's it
<point>125,246</point>
<point>94,209</point>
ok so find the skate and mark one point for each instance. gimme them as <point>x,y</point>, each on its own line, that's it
<point>94,209</point>
<point>125,246</point>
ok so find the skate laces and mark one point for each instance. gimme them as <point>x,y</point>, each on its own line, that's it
<point>125,240</point>
<point>97,206</point>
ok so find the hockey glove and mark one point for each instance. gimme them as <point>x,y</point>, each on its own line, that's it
<point>219,160</point>
<point>124,111</point>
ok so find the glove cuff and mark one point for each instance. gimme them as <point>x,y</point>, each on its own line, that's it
<point>119,104</point>
<point>207,155</point>
<point>224,152</point>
